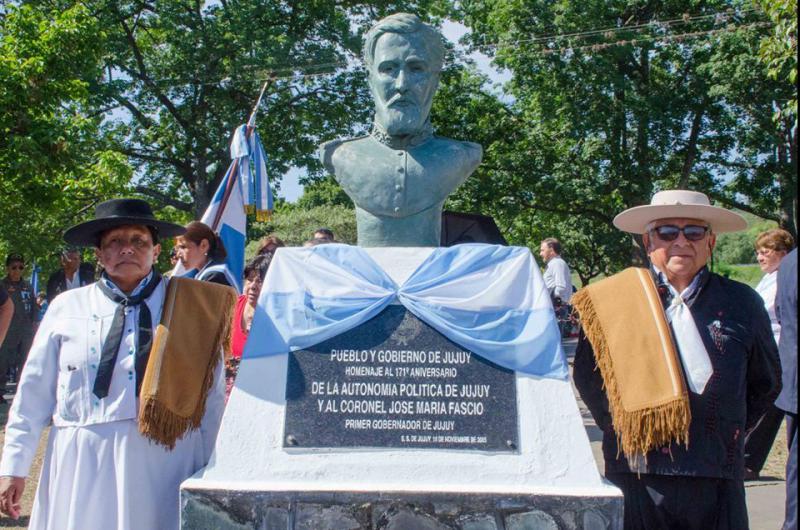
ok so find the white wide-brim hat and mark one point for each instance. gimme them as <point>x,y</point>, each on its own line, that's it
<point>679,203</point>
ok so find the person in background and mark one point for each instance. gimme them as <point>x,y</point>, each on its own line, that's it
<point>558,280</point>
<point>173,257</point>
<point>73,273</point>
<point>771,247</point>
<point>202,254</point>
<point>557,276</point>
<point>786,309</point>
<point>317,241</point>
<point>269,244</point>
<point>6,313</point>
<point>325,234</point>
<point>41,309</point>
<point>20,333</point>
<point>173,261</point>
<point>254,273</point>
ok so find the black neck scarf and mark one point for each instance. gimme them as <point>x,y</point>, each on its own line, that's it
<point>111,345</point>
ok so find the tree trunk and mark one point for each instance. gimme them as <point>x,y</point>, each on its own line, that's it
<point>691,147</point>
<point>202,197</point>
<point>645,189</point>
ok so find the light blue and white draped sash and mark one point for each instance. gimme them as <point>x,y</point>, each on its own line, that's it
<point>488,299</point>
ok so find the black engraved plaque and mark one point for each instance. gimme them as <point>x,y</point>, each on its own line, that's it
<point>394,381</point>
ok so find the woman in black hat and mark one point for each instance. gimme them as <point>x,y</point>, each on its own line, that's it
<point>84,373</point>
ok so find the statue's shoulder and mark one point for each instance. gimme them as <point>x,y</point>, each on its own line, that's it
<point>471,152</point>
<point>327,149</point>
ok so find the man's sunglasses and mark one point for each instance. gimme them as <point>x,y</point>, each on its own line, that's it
<point>16,267</point>
<point>690,232</point>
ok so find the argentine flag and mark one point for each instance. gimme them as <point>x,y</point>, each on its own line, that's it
<point>252,169</point>
<point>35,279</point>
<point>232,226</point>
<point>249,192</point>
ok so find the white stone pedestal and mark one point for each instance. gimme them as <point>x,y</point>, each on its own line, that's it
<point>253,481</point>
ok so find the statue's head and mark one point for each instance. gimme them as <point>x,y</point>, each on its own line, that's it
<point>404,58</point>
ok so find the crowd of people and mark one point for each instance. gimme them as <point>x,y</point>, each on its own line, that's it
<point>688,374</point>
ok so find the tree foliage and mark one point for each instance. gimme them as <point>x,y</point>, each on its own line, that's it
<point>295,225</point>
<point>182,75</point>
<point>779,48</point>
<point>598,122</point>
<point>321,192</point>
<point>99,93</point>
<point>53,167</point>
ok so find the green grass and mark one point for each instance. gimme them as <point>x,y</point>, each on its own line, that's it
<point>750,273</point>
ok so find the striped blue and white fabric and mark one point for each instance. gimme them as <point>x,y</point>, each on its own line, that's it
<point>252,172</point>
<point>488,299</point>
<point>232,226</point>
<point>35,278</point>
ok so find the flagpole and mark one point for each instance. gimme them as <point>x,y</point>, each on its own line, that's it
<point>251,126</point>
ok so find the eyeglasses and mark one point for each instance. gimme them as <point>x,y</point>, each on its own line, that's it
<point>17,267</point>
<point>671,232</point>
<point>765,252</point>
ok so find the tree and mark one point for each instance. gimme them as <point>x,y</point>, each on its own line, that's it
<point>181,75</point>
<point>597,121</point>
<point>322,192</point>
<point>779,49</point>
<point>53,163</point>
<point>756,146</point>
<point>295,226</point>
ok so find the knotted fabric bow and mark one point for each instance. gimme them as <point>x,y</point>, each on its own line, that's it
<point>488,299</point>
<point>691,349</point>
<point>112,343</point>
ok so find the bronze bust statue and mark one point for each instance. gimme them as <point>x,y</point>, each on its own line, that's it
<point>401,173</point>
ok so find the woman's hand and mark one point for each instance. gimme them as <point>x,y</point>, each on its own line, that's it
<point>11,489</point>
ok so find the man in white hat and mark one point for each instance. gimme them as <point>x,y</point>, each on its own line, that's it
<point>676,363</point>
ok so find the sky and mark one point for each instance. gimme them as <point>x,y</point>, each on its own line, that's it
<point>291,189</point>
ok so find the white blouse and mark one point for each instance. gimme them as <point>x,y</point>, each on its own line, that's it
<point>768,289</point>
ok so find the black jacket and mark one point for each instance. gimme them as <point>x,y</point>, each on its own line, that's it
<point>57,283</point>
<point>736,331</point>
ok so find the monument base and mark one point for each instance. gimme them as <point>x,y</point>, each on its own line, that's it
<point>282,463</point>
<point>230,509</point>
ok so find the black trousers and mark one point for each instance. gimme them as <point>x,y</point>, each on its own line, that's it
<point>759,441</point>
<point>790,523</point>
<point>654,502</point>
<point>13,353</point>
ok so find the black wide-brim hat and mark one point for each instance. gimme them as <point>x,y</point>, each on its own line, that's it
<point>119,212</point>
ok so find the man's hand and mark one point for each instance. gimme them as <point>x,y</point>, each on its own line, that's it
<point>11,489</point>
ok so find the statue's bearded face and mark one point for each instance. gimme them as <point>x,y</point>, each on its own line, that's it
<point>402,82</point>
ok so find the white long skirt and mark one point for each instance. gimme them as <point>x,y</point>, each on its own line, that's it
<point>108,476</point>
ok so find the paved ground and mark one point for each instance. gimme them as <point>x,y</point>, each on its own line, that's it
<point>764,498</point>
